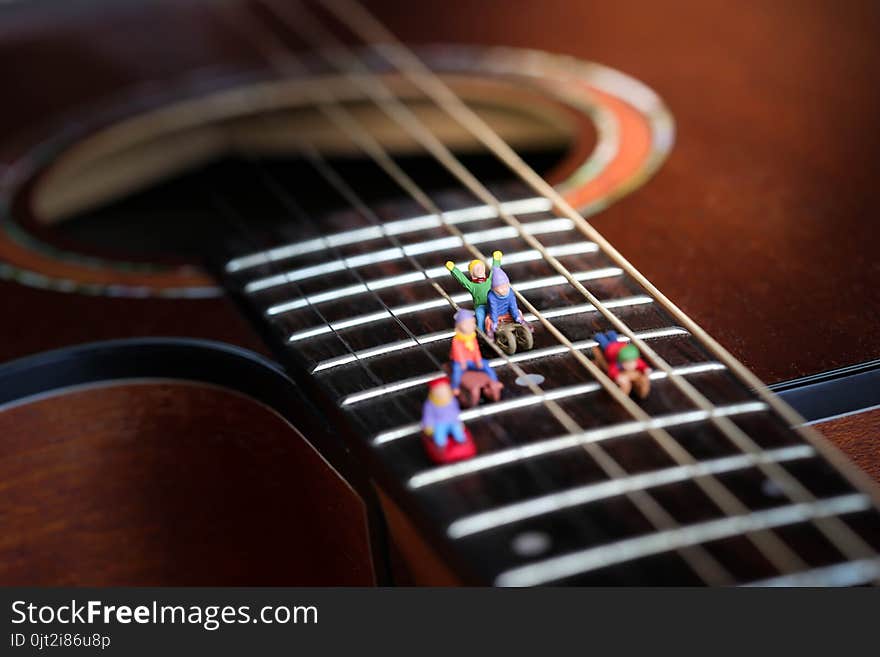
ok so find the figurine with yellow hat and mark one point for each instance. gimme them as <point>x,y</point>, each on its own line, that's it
<point>479,283</point>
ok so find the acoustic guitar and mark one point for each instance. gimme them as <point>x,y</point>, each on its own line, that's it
<point>224,230</point>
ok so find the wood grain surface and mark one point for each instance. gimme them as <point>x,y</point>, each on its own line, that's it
<point>858,436</point>
<point>147,484</point>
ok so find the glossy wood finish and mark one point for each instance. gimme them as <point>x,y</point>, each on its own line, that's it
<point>159,484</point>
<point>59,320</point>
<point>413,561</point>
<point>858,436</point>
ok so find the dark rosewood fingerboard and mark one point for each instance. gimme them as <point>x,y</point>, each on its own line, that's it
<point>533,507</point>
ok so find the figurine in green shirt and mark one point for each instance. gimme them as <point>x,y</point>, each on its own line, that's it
<point>478,284</point>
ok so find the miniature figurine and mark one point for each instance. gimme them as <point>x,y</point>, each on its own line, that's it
<point>478,284</point>
<point>505,323</point>
<point>623,363</point>
<point>467,361</point>
<point>440,420</point>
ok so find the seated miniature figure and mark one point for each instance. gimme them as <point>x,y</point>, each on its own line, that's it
<point>478,284</point>
<point>623,363</point>
<point>471,374</point>
<point>505,323</point>
<point>444,436</point>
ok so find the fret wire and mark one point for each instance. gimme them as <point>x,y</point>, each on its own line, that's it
<point>588,493</point>
<point>378,316</point>
<point>355,201</point>
<point>356,18</point>
<point>563,392</point>
<point>698,558</point>
<point>286,63</point>
<point>330,176</point>
<point>779,553</point>
<point>591,559</point>
<point>358,204</point>
<point>292,206</point>
<point>548,446</point>
<point>851,573</point>
<point>227,211</point>
<point>435,272</point>
<point>725,496</point>
<point>397,386</point>
<point>532,354</point>
<point>403,251</point>
<point>399,227</point>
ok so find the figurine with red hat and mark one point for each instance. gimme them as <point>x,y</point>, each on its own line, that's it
<point>444,435</point>
<point>478,284</point>
<point>623,363</point>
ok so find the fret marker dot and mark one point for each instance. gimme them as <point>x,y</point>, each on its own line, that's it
<point>771,489</point>
<point>529,379</point>
<point>530,544</point>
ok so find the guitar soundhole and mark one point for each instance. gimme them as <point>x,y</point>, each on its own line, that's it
<point>178,220</point>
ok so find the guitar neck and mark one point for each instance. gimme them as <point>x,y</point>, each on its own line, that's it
<point>679,492</point>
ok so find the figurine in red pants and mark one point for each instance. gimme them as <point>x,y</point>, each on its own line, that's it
<point>623,364</point>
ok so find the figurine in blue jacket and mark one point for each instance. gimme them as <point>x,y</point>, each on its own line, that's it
<point>501,301</point>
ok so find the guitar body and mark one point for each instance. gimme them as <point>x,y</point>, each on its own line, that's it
<point>174,437</point>
<point>185,480</point>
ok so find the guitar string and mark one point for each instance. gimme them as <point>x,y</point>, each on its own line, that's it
<point>290,205</point>
<point>703,563</point>
<point>357,19</point>
<point>539,472</point>
<point>224,206</point>
<point>773,548</point>
<point>778,561</point>
<point>777,552</point>
<point>333,181</point>
<point>612,471</point>
<point>338,183</point>
<point>846,539</point>
<point>367,214</point>
<point>344,122</point>
<point>232,216</point>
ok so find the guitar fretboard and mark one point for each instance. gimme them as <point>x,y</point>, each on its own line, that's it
<point>358,308</point>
